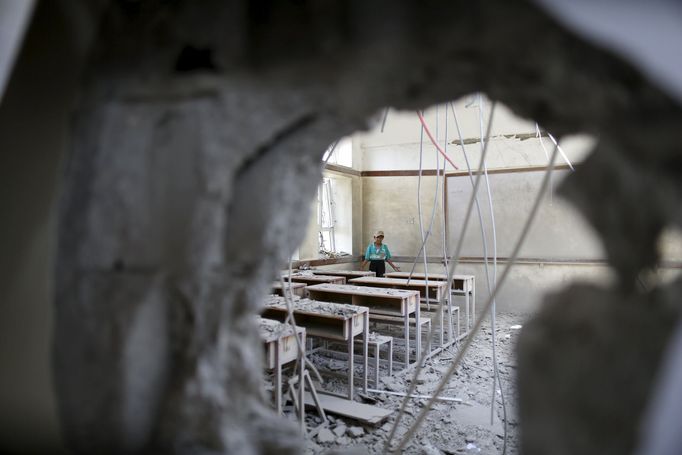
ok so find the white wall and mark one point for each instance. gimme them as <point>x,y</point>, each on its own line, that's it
<point>390,204</point>
<point>397,148</point>
<point>559,231</point>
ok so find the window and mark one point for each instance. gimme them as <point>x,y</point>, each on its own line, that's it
<point>325,216</point>
<point>340,152</point>
<point>334,216</point>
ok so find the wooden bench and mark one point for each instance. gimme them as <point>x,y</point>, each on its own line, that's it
<point>435,313</point>
<point>392,320</point>
<point>462,285</point>
<point>376,341</point>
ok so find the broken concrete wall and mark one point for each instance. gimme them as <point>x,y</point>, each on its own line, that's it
<point>195,120</point>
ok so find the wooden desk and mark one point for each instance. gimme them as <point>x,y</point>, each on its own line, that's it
<point>436,289</point>
<point>279,341</point>
<point>297,289</point>
<point>459,282</point>
<point>315,279</point>
<point>380,301</point>
<point>331,321</point>
<point>461,285</point>
<point>347,274</point>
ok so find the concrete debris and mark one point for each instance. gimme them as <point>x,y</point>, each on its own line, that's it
<point>393,385</point>
<point>340,430</point>
<point>342,441</point>
<point>270,330</point>
<point>336,366</point>
<point>355,432</point>
<point>516,327</point>
<point>325,436</point>
<point>429,449</point>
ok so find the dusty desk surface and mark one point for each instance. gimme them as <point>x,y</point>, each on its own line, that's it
<point>345,273</point>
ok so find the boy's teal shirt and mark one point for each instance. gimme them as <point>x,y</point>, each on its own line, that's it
<point>377,254</point>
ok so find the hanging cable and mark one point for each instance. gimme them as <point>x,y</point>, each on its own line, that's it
<point>433,141</point>
<point>425,237</point>
<point>301,357</point>
<point>538,135</point>
<point>493,308</point>
<point>301,360</point>
<point>476,201</point>
<point>561,151</point>
<point>443,227</point>
<point>556,144</point>
<point>330,152</point>
<point>485,255</point>
<point>422,250</point>
<point>383,121</point>
<point>465,346</point>
<point>451,271</point>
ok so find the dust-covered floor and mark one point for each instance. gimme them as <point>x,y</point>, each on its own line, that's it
<point>451,428</point>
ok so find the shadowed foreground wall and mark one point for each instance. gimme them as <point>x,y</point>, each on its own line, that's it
<point>195,123</point>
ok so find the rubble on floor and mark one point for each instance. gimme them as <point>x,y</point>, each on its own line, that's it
<point>450,428</point>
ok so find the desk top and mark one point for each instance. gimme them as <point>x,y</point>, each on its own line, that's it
<point>398,282</point>
<point>364,290</point>
<point>287,285</point>
<point>432,276</point>
<point>271,330</point>
<point>313,278</point>
<point>312,307</point>
<point>345,273</point>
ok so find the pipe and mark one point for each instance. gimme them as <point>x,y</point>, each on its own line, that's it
<point>383,121</point>
<point>433,141</point>
<point>493,308</point>
<point>451,272</point>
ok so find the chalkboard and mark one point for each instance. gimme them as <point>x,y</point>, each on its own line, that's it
<point>558,232</point>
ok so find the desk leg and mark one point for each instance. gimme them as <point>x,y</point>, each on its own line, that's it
<point>449,299</point>
<point>351,355</point>
<point>407,340</point>
<point>278,381</point>
<point>466,309</point>
<point>390,358</point>
<point>441,329</point>
<point>418,334</point>
<point>376,365</point>
<point>473,299</point>
<point>365,347</point>
<point>301,386</point>
<point>459,329</point>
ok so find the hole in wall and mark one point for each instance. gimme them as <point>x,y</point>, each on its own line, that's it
<point>382,179</point>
